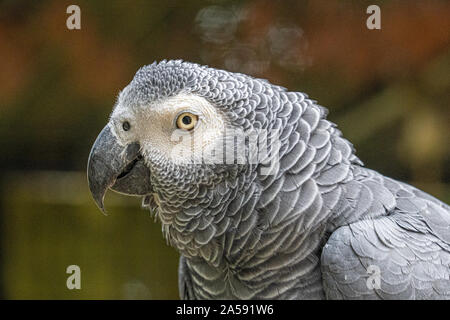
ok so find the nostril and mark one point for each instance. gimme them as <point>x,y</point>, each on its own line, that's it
<point>126,126</point>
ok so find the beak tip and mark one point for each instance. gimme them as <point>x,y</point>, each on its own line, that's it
<point>100,204</point>
<point>102,209</point>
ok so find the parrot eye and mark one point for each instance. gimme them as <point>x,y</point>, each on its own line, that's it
<point>186,121</point>
<point>126,126</point>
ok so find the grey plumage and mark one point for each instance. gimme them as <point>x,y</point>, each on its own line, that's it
<point>311,230</point>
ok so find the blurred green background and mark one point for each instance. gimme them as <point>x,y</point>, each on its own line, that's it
<point>388,90</point>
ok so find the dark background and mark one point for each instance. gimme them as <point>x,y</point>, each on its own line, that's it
<point>388,90</point>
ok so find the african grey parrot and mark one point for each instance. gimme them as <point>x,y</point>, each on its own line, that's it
<point>318,226</point>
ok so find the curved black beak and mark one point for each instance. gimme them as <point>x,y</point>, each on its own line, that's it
<point>117,167</point>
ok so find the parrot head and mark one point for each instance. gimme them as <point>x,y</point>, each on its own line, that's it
<point>146,147</point>
<point>172,117</point>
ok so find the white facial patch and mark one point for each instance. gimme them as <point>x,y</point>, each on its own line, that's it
<point>154,127</point>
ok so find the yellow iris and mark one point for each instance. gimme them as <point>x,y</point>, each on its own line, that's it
<point>187,121</point>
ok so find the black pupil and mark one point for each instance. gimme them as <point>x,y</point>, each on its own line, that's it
<point>126,126</point>
<point>187,120</point>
